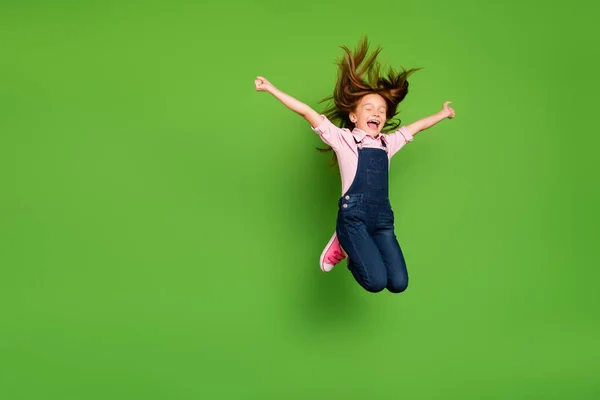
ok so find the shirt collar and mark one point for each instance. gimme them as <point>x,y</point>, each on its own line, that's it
<point>359,135</point>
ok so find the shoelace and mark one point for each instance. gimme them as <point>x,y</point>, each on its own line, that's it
<point>336,257</point>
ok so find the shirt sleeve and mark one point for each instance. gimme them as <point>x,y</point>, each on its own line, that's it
<point>329,133</point>
<point>398,139</point>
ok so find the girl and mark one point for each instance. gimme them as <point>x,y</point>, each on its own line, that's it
<point>364,105</point>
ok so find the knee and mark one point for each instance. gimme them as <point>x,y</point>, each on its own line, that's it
<point>375,285</point>
<point>398,285</point>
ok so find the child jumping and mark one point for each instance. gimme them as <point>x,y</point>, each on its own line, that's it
<point>364,106</point>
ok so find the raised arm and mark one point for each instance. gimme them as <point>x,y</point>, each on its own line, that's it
<point>428,122</point>
<point>313,118</point>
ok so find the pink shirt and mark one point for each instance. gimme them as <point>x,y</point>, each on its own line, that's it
<point>346,150</point>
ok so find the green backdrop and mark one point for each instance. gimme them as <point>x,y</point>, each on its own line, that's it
<point>162,222</point>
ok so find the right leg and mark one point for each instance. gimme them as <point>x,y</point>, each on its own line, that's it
<point>364,260</point>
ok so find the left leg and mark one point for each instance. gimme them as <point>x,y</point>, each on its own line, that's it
<point>386,241</point>
<point>390,250</point>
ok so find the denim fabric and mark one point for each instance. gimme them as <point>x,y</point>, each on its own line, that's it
<point>365,227</point>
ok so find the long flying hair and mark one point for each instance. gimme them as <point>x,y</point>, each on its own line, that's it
<point>360,74</point>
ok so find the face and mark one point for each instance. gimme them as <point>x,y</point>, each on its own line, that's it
<point>370,114</point>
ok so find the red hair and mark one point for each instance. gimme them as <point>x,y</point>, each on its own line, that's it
<point>360,74</point>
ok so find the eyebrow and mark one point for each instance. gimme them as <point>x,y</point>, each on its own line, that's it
<point>373,105</point>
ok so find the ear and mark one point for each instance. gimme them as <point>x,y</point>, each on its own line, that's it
<point>353,117</point>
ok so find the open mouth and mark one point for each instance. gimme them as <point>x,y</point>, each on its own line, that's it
<point>373,123</point>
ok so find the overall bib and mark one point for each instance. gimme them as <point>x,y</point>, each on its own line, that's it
<point>365,226</point>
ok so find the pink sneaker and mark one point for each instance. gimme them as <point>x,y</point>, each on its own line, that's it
<point>332,254</point>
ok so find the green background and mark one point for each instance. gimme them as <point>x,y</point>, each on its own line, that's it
<point>162,222</point>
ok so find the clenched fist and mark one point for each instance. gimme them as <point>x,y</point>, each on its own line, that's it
<point>262,84</point>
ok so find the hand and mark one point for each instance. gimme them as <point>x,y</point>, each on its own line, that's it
<point>262,84</point>
<point>449,111</point>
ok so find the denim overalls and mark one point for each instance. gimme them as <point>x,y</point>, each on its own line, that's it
<point>365,225</point>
